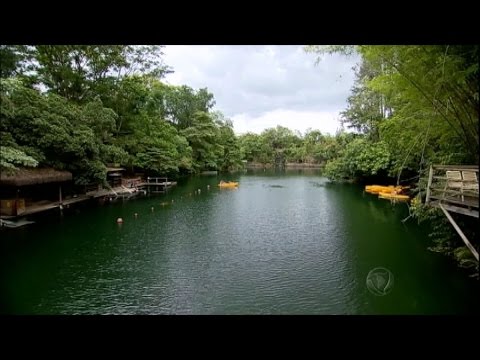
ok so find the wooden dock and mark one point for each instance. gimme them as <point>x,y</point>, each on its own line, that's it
<point>454,188</point>
<point>44,206</point>
<point>95,191</point>
<point>157,184</point>
<point>118,192</point>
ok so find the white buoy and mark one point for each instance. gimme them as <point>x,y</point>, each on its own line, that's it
<point>119,221</point>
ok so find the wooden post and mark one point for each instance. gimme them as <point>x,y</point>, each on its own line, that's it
<point>459,231</point>
<point>15,211</point>
<point>429,184</point>
<point>60,205</point>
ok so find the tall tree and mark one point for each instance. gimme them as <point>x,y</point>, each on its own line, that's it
<point>182,102</point>
<point>79,72</point>
<point>229,157</point>
<point>366,107</point>
<point>202,137</point>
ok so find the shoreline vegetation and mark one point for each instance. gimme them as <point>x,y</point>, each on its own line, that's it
<point>80,107</point>
<point>254,165</point>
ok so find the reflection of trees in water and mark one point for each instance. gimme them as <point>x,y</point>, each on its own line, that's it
<point>318,183</point>
<point>280,159</point>
<point>377,214</point>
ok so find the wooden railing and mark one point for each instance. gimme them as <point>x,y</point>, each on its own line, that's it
<point>156,180</point>
<point>455,186</point>
<point>131,183</point>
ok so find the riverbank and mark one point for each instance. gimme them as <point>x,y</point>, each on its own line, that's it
<point>254,165</point>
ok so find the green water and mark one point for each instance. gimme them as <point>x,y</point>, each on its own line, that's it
<point>280,244</point>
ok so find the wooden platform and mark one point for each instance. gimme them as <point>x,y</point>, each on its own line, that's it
<point>154,185</point>
<point>449,186</point>
<point>49,205</point>
<point>40,207</point>
<point>164,184</point>
<point>454,208</point>
<point>157,184</point>
<point>454,188</point>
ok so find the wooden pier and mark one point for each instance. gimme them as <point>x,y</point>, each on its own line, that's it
<point>115,187</point>
<point>157,184</point>
<point>454,188</point>
<point>92,193</point>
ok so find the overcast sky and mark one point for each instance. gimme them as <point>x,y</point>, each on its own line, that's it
<point>258,87</point>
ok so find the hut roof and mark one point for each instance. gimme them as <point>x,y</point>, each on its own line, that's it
<point>24,177</point>
<point>111,169</point>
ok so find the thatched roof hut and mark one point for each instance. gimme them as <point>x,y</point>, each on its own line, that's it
<point>116,169</point>
<point>24,177</point>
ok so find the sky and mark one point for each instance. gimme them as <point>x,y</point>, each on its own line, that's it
<point>259,87</point>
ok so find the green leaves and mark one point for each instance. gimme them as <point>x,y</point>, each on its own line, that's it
<point>228,151</point>
<point>365,158</point>
<point>81,72</point>
<point>11,158</point>
<point>102,104</point>
<point>202,136</point>
<point>53,130</point>
<point>181,103</point>
<point>361,158</point>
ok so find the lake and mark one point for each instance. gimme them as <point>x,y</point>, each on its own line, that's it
<point>282,243</point>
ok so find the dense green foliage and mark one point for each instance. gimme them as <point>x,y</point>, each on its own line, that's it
<point>80,108</point>
<point>413,106</point>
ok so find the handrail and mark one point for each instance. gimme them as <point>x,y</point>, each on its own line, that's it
<point>456,167</point>
<point>440,182</point>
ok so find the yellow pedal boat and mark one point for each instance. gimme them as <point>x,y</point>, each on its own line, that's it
<point>376,189</point>
<point>230,184</point>
<point>390,196</point>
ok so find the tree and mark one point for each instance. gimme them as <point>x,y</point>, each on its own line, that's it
<point>312,144</point>
<point>366,107</point>
<point>182,102</point>
<point>229,157</point>
<point>252,148</point>
<point>360,159</point>
<point>282,142</point>
<point>13,60</point>
<point>80,72</point>
<point>435,83</point>
<point>52,131</point>
<point>11,158</point>
<point>202,136</point>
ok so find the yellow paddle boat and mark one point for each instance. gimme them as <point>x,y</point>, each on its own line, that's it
<point>376,189</point>
<point>393,196</point>
<point>229,184</point>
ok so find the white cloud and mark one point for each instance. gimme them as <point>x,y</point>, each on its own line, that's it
<point>264,86</point>
<point>326,122</point>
